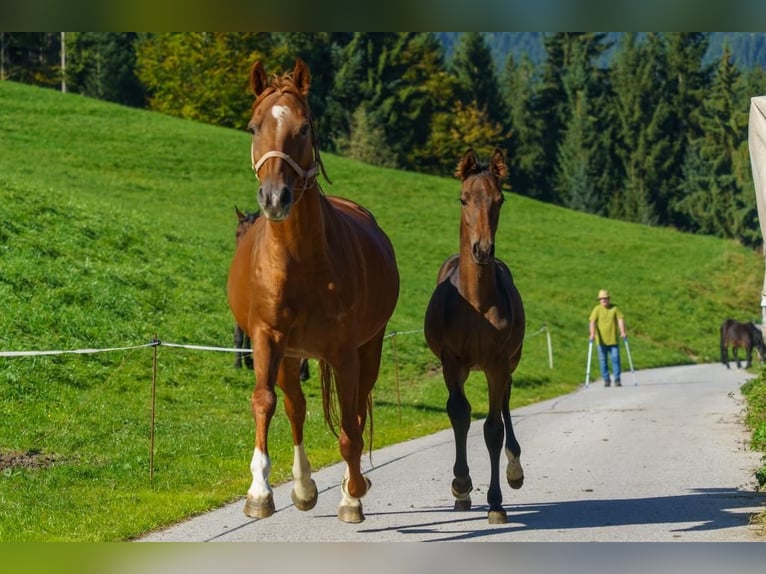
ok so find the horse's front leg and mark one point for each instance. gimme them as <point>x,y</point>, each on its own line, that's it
<point>304,493</point>
<point>459,412</point>
<point>498,385</point>
<point>260,498</point>
<point>513,472</point>
<point>735,352</point>
<point>354,485</point>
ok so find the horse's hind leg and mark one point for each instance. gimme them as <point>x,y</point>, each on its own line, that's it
<point>304,494</point>
<point>459,412</point>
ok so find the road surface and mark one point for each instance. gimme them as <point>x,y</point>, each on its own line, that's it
<point>664,460</point>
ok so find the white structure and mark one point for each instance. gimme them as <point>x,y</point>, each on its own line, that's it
<point>757,145</point>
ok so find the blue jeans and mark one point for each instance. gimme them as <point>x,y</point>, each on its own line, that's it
<point>614,352</point>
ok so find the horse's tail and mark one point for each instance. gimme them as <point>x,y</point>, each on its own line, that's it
<point>330,401</point>
<point>329,397</point>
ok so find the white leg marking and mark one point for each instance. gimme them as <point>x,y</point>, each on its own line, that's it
<point>302,473</point>
<point>514,470</point>
<point>260,466</point>
<point>346,498</point>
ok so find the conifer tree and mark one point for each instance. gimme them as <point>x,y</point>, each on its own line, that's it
<point>477,79</point>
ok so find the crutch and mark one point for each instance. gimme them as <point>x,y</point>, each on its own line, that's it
<point>630,360</point>
<point>587,369</point>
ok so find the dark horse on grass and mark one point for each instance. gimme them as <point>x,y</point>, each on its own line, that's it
<point>475,321</point>
<point>314,277</point>
<point>245,221</point>
<point>741,335</point>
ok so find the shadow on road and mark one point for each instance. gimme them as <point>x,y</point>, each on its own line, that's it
<point>708,509</point>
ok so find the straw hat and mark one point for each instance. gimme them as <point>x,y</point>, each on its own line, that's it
<point>603,294</point>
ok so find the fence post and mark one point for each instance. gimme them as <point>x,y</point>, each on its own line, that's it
<point>154,395</point>
<point>550,346</point>
<point>396,374</point>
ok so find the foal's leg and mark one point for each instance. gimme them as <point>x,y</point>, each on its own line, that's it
<point>260,498</point>
<point>735,352</point>
<point>513,472</point>
<point>459,412</point>
<point>498,393</point>
<point>304,493</point>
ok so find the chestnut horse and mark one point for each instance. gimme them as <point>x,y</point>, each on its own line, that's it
<point>475,322</point>
<point>245,221</point>
<point>314,277</point>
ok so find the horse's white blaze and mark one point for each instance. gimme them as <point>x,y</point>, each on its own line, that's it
<point>514,470</point>
<point>302,473</point>
<point>260,466</point>
<point>280,113</point>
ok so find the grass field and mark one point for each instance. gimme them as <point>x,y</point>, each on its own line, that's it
<point>117,225</point>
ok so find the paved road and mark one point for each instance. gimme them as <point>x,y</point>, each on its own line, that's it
<point>665,460</point>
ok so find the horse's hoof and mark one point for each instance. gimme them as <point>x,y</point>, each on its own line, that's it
<point>497,517</point>
<point>259,508</point>
<point>350,514</point>
<point>306,504</point>
<point>461,488</point>
<point>516,483</point>
<point>462,504</point>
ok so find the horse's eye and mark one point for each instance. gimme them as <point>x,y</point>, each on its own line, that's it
<point>252,128</point>
<point>304,129</point>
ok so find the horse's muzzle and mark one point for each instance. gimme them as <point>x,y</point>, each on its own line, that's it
<point>483,254</point>
<point>275,203</point>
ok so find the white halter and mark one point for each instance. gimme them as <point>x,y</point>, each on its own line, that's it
<point>305,174</point>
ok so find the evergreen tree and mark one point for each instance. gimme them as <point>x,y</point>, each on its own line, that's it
<point>397,77</point>
<point>688,81</point>
<point>713,198</point>
<point>637,83</point>
<point>31,58</point>
<point>525,155</point>
<point>574,182</point>
<point>477,81</point>
<point>568,70</point>
<point>102,65</point>
<point>317,50</point>
<point>573,179</point>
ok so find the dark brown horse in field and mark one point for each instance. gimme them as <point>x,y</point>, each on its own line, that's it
<point>314,277</point>
<point>475,321</point>
<point>245,221</point>
<point>741,335</point>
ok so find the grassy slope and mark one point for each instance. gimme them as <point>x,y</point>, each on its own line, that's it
<point>116,224</point>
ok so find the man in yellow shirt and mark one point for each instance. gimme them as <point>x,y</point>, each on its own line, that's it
<point>605,320</point>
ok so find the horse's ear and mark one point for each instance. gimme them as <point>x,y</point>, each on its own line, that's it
<point>302,76</point>
<point>241,216</point>
<point>497,165</point>
<point>467,165</point>
<point>258,78</point>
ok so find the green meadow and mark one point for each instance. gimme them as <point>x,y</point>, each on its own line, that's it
<point>117,225</point>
